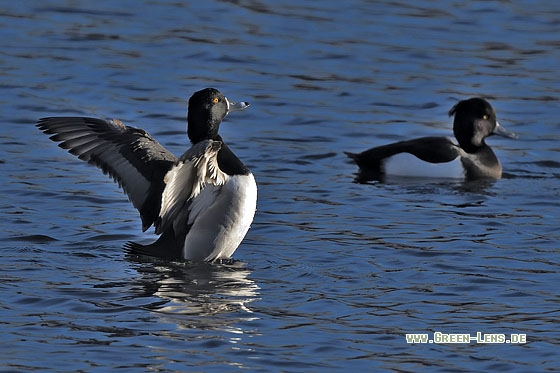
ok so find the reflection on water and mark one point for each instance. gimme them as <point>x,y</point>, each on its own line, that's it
<point>200,290</point>
<point>205,308</point>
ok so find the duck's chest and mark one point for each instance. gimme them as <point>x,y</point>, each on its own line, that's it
<point>220,217</point>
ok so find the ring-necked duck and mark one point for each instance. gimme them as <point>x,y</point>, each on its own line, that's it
<point>475,119</point>
<point>202,203</point>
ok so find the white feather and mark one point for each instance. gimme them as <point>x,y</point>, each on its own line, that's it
<point>185,181</point>
<point>405,164</point>
<point>220,218</point>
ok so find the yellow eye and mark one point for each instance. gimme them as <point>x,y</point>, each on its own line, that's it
<point>485,117</point>
<point>215,100</point>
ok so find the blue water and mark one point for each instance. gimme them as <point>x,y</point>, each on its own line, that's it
<point>332,274</point>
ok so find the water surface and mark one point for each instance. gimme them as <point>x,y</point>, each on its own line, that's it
<point>333,274</point>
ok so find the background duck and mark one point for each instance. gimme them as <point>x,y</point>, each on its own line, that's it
<point>471,158</point>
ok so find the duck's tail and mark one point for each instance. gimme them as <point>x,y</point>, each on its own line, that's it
<point>167,246</point>
<point>352,156</point>
<point>370,168</point>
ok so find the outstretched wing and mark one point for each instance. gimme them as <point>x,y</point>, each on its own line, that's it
<point>136,161</point>
<point>196,170</point>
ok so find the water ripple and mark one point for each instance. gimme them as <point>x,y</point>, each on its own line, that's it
<point>332,274</point>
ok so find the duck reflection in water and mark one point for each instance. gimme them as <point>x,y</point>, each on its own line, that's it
<point>198,290</point>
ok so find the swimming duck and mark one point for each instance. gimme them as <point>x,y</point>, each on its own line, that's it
<point>475,119</point>
<point>201,203</point>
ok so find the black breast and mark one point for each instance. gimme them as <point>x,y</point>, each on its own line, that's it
<point>229,163</point>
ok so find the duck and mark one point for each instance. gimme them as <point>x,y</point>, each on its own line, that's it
<point>470,158</point>
<point>201,204</point>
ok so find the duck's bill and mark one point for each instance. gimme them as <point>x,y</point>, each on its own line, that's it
<point>501,131</point>
<point>236,106</point>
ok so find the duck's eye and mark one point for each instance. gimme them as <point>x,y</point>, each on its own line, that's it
<point>215,100</point>
<point>485,117</point>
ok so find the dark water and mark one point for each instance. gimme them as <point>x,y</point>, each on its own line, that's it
<point>332,274</point>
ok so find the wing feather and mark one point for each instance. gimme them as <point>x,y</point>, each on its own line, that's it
<point>197,168</point>
<point>135,160</point>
